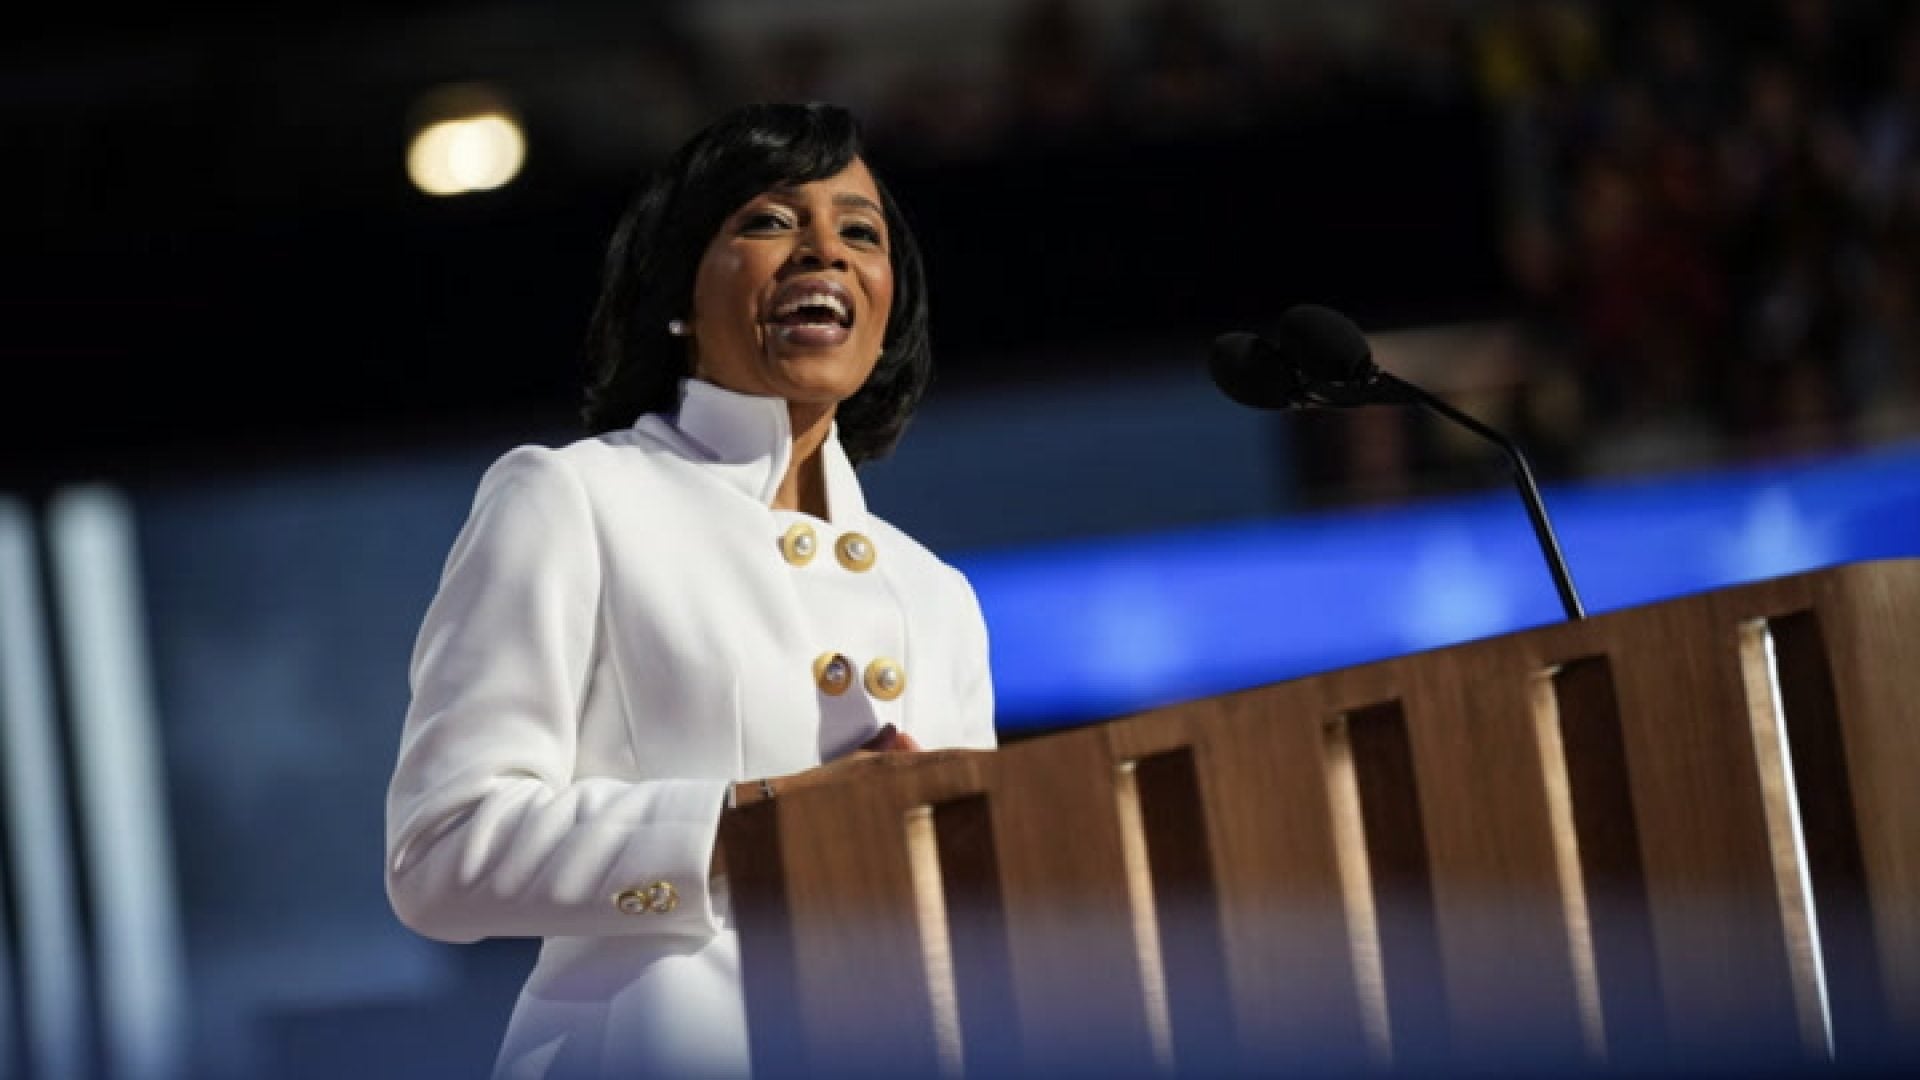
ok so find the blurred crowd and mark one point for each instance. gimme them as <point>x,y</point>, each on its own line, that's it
<point>1097,71</point>
<point>1713,221</point>
<point>1711,207</point>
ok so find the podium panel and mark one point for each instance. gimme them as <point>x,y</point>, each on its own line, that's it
<point>1681,834</point>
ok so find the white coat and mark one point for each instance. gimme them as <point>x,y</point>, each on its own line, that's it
<point>618,634</point>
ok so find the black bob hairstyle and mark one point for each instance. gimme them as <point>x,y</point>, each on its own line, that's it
<point>648,279</point>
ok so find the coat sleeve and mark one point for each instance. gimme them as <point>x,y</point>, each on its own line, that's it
<point>489,833</point>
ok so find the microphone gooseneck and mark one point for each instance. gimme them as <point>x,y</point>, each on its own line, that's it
<point>1318,359</point>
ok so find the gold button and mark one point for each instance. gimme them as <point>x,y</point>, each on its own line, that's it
<point>656,899</point>
<point>885,679</point>
<point>854,551</point>
<point>799,544</point>
<point>833,672</point>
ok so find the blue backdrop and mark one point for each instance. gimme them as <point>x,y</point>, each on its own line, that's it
<point>1093,629</point>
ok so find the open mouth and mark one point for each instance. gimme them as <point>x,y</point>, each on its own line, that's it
<point>812,304</point>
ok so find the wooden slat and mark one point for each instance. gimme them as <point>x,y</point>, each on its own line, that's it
<point>1374,743</point>
<point>1508,962</point>
<point>1717,925</point>
<point>1868,614</point>
<point>823,888</point>
<point>850,901</point>
<point>1283,929</point>
<point>1576,912</point>
<point>976,922</point>
<point>1605,841</point>
<point>1077,981</point>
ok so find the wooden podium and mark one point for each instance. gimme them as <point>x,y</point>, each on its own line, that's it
<point>1686,834</point>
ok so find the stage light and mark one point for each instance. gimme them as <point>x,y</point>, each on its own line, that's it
<point>466,140</point>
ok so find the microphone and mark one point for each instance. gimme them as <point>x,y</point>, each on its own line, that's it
<point>1318,359</point>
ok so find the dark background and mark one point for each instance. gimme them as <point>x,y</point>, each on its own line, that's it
<point>1697,215</point>
<point>213,252</point>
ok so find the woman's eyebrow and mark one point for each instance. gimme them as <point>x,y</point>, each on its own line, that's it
<point>845,199</point>
<point>856,200</point>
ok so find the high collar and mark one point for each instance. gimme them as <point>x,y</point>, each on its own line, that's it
<point>749,440</point>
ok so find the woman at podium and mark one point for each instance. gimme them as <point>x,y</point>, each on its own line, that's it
<point>690,609</point>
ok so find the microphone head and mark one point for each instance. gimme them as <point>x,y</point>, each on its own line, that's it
<point>1325,345</point>
<point>1313,351</point>
<point>1248,369</point>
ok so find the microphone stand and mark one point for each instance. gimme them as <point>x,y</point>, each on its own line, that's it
<point>1522,479</point>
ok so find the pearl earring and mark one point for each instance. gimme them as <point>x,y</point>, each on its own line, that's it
<point>677,327</point>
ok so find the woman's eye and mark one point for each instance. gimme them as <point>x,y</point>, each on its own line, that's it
<point>862,232</point>
<point>764,221</point>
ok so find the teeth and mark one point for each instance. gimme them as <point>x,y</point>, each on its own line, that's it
<point>825,300</point>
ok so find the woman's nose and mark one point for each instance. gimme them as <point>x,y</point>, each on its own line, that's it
<point>821,245</point>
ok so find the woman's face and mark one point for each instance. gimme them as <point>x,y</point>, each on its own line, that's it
<point>791,297</point>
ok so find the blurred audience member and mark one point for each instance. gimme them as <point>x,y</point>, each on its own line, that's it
<point>1185,69</point>
<point>1056,77</point>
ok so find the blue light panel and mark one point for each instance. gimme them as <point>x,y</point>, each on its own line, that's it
<point>1098,629</point>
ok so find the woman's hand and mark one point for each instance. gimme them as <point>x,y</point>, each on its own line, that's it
<point>889,740</point>
<point>876,753</point>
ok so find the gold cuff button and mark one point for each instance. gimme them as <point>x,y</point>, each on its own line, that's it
<point>656,899</point>
<point>854,551</point>
<point>833,672</point>
<point>799,544</point>
<point>885,680</point>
